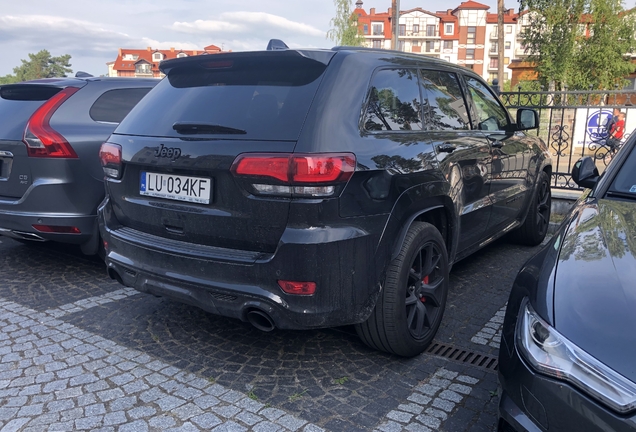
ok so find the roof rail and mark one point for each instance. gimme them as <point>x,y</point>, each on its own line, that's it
<point>276,44</point>
<point>82,74</point>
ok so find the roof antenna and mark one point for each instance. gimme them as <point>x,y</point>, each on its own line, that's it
<point>276,45</point>
<point>82,74</point>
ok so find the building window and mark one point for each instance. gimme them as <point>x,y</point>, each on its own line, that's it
<point>377,28</point>
<point>448,44</point>
<point>181,55</point>
<point>447,58</point>
<point>494,63</point>
<point>157,56</point>
<point>472,34</point>
<point>143,68</point>
<point>402,30</point>
<point>506,60</point>
<point>509,29</point>
<point>377,43</point>
<point>470,54</point>
<point>401,45</point>
<point>449,29</point>
<point>492,76</point>
<point>416,28</point>
<point>430,30</point>
<point>430,46</point>
<point>493,47</point>
<point>365,29</point>
<point>507,45</point>
<point>416,43</point>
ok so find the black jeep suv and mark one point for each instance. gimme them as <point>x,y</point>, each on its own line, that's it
<point>302,189</point>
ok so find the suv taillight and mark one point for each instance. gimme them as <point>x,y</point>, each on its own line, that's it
<point>295,175</point>
<point>40,138</point>
<point>110,157</point>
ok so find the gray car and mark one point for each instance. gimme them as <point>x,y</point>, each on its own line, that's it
<point>51,181</point>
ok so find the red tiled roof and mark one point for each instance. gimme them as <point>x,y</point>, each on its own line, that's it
<point>470,4</point>
<point>145,55</point>
<point>509,17</point>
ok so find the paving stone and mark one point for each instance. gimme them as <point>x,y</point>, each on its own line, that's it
<point>169,403</point>
<point>115,418</point>
<point>443,404</point>
<point>272,413</point>
<point>429,421</point>
<point>290,422</point>
<point>162,422</point>
<point>230,426</point>
<point>227,411</point>
<point>88,423</point>
<point>187,411</point>
<point>140,412</point>
<point>248,418</point>
<point>390,426</point>
<point>399,416</point>
<point>416,427</point>
<point>95,410</point>
<point>467,379</point>
<point>206,421</point>
<point>136,426</point>
<point>71,415</point>
<point>267,426</point>
<point>123,404</point>
<point>411,408</point>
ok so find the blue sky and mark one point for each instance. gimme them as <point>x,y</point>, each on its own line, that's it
<point>92,31</point>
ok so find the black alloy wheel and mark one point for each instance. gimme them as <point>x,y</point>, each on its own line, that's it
<point>411,305</point>
<point>535,227</point>
<point>424,291</point>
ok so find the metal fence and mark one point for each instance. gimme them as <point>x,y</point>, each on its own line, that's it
<point>573,125</point>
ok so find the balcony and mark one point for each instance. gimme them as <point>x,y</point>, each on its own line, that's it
<point>492,66</point>
<point>493,35</point>
<point>521,52</point>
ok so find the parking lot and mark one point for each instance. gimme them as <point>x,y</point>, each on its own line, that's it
<point>78,351</point>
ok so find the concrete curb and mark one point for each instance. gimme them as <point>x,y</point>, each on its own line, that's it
<point>562,202</point>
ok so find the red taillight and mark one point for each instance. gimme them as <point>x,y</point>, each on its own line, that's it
<point>40,138</point>
<point>298,288</point>
<point>110,157</point>
<point>57,229</point>
<point>262,165</point>
<point>295,174</point>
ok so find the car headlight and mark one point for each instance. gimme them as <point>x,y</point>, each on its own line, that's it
<point>550,353</point>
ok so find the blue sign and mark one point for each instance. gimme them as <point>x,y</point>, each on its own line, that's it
<point>597,124</point>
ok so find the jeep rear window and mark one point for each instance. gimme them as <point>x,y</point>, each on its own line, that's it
<point>263,98</point>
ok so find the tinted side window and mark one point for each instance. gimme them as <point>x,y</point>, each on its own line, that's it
<point>445,108</point>
<point>491,115</point>
<point>394,101</point>
<point>114,105</point>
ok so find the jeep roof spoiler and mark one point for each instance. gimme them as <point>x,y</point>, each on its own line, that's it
<point>276,44</point>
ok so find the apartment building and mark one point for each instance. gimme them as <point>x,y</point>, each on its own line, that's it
<point>144,63</point>
<point>465,35</point>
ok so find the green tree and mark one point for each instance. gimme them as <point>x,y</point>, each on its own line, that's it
<point>603,57</point>
<point>550,37</point>
<point>579,43</point>
<point>344,26</point>
<point>39,65</point>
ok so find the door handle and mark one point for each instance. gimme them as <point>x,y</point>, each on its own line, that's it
<point>446,147</point>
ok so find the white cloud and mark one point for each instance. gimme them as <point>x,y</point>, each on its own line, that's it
<point>241,22</point>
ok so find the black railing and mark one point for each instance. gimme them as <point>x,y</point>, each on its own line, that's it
<point>561,114</point>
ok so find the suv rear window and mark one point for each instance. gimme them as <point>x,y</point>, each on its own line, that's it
<point>17,104</point>
<point>113,105</point>
<point>258,98</point>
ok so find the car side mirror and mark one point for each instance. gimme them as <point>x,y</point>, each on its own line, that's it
<point>585,173</point>
<point>527,119</point>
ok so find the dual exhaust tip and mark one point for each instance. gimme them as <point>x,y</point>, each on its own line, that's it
<point>257,317</point>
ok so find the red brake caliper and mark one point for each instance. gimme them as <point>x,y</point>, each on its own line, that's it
<point>424,281</point>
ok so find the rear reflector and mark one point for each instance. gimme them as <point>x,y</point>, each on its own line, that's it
<point>40,138</point>
<point>298,288</point>
<point>57,229</point>
<point>110,158</point>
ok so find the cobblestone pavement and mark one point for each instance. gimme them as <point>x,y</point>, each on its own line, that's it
<point>80,352</point>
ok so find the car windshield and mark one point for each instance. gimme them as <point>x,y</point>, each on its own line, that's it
<point>257,98</point>
<point>625,181</point>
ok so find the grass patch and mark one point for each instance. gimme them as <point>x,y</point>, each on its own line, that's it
<point>297,396</point>
<point>341,381</point>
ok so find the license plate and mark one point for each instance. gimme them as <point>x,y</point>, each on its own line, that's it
<point>176,187</point>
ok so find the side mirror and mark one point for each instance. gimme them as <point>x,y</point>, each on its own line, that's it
<point>585,173</point>
<point>527,119</point>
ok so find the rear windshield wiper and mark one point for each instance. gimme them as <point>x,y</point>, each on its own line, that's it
<point>203,128</point>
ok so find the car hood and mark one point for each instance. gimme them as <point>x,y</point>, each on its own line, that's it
<point>595,284</point>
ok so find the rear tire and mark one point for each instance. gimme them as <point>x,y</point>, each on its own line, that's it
<point>411,305</point>
<point>535,227</point>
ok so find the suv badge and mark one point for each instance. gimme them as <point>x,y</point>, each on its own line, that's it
<point>168,152</point>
